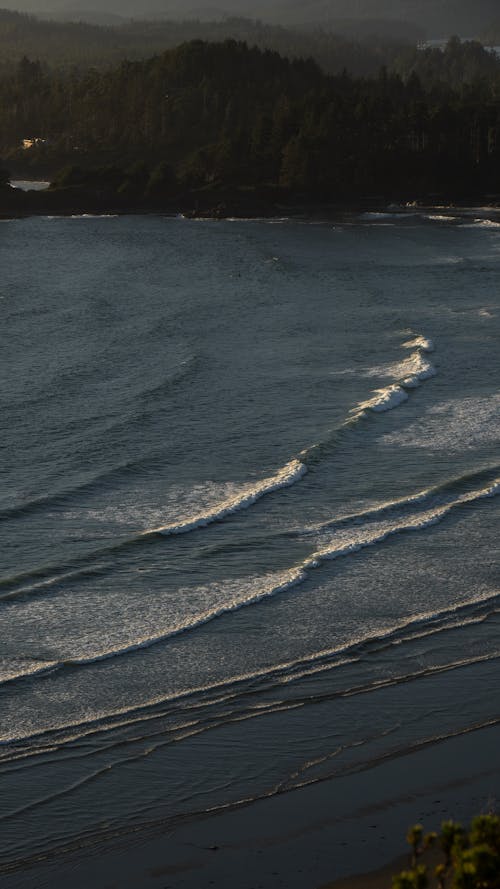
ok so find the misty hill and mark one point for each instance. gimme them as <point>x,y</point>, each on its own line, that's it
<point>85,45</point>
<point>491,35</point>
<point>437,18</point>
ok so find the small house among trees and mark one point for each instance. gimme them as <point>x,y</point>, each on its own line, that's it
<point>28,144</point>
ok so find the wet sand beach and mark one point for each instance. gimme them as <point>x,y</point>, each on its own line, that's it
<point>346,833</point>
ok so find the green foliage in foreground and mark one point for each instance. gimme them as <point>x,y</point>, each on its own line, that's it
<point>471,859</point>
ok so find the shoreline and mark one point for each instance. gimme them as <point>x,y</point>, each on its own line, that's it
<point>345,832</point>
<point>16,203</point>
<point>381,877</point>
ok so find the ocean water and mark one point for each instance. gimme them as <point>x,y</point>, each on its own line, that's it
<point>248,510</point>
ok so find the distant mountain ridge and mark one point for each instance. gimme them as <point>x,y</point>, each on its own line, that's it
<point>82,45</point>
<point>437,17</point>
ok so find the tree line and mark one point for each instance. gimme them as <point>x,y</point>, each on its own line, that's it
<point>208,115</point>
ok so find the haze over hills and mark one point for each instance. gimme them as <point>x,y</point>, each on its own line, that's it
<point>435,17</point>
<point>80,45</point>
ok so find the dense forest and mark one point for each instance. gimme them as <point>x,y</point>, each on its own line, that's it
<point>207,116</point>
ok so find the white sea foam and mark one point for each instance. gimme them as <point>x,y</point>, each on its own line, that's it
<point>201,605</point>
<point>419,342</point>
<point>285,477</point>
<point>20,668</point>
<point>37,585</point>
<point>201,506</point>
<point>215,600</point>
<point>382,400</point>
<point>222,599</point>
<point>375,215</point>
<point>416,626</point>
<point>93,216</point>
<point>347,541</point>
<point>419,369</point>
<point>373,512</point>
<point>346,544</point>
<point>436,217</point>
<point>456,425</point>
<point>483,223</point>
<point>409,373</point>
<point>445,493</point>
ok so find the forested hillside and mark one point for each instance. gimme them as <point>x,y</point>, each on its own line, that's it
<point>211,115</point>
<point>81,45</point>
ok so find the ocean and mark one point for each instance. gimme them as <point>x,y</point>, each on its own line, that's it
<point>249,523</point>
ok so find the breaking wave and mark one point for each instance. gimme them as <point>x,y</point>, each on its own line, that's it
<point>483,223</point>
<point>341,543</point>
<point>250,593</point>
<point>419,342</point>
<point>413,370</point>
<point>411,627</point>
<point>285,477</point>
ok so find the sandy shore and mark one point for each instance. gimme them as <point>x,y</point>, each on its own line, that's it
<point>381,878</point>
<point>306,839</point>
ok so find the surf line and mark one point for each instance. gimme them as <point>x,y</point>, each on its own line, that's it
<point>416,369</point>
<point>283,584</point>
